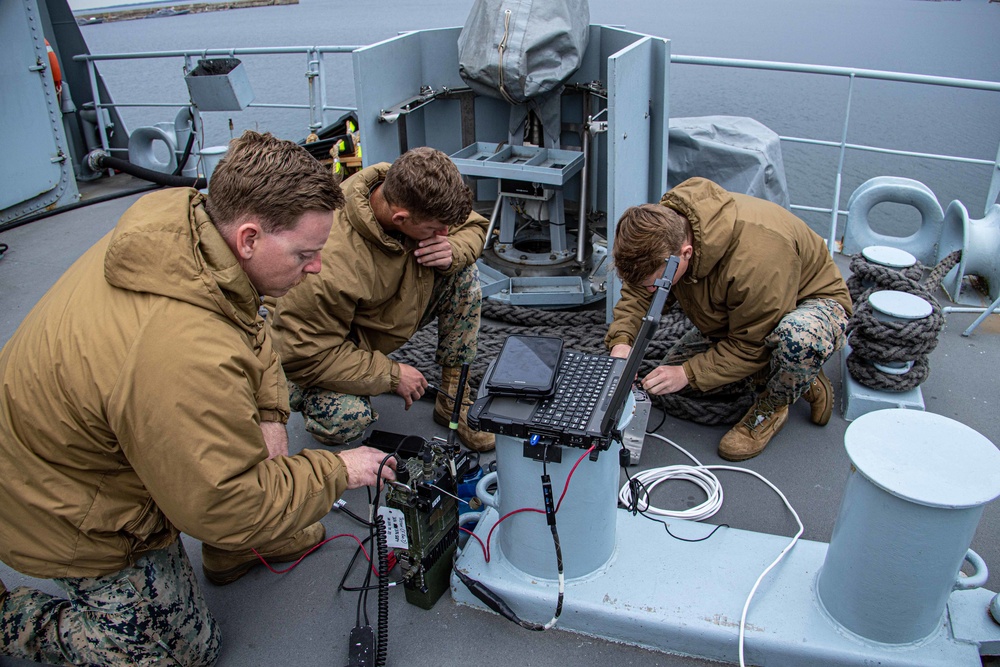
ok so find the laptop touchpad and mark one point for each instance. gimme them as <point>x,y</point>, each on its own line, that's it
<point>513,408</point>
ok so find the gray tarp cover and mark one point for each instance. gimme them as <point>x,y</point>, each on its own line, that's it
<point>543,43</point>
<point>736,152</point>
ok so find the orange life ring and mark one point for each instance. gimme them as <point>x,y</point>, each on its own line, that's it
<point>54,66</point>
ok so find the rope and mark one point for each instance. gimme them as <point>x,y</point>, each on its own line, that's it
<point>938,273</point>
<point>724,405</point>
<point>873,341</point>
<point>886,278</point>
<point>865,274</point>
<point>583,331</point>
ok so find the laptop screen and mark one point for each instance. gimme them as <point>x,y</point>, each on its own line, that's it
<point>646,332</point>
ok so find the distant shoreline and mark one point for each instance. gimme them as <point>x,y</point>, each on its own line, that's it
<point>90,17</point>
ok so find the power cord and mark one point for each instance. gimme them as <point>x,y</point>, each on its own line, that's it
<point>494,601</point>
<point>632,497</point>
<point>366,648</point>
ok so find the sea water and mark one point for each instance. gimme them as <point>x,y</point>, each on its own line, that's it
<point>955,39</point>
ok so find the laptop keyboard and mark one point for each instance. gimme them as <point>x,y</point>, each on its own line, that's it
<point>580,386</point>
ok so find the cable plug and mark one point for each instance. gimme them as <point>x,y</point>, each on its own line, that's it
<point>549,499</point>
<point>624,457</point>
<point>361,652</point>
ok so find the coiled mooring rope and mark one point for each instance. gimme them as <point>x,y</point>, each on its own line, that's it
<point>865,275</point>
<point>874,341</point>
<point>580,330</point>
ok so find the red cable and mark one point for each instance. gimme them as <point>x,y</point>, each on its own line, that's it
<point>314,548</point>
<point>570,475</point>
<point>489,536</point>
<point>481,545</point>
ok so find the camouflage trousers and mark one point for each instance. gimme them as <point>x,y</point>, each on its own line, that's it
<point>801,343</point>
<point>456,302</point>
<point>150,614</point>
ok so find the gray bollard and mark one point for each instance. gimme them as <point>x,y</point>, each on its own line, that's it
<point>889,257</point>
<point>586,521</point>
<point>892,306</point>
<point>918,485</point>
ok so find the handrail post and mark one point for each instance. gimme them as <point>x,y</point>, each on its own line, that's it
<point>98,108</point>
<point>832,241</point>
<point>312,72</point>
<point>321,82</point>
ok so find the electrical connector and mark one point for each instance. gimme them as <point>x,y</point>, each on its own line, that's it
<point>361,652</point>
<point>549,500</point>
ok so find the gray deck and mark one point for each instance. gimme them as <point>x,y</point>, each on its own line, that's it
<point>300,617</point>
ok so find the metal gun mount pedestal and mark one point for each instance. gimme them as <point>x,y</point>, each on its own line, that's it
<point>628,581</point>
<point>546,267</point>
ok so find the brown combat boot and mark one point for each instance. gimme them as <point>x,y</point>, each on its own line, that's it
<point>477,441</point>
<point>223,567</point>
<point>820,397</point>
<point>750,436</point>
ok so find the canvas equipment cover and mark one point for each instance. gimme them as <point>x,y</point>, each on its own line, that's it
<point>521,49</point>
<point>739,153</point>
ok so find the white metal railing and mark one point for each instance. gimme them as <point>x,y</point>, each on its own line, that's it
<point>852,74</point>
<point>315,75</point>
<point>318,106</point>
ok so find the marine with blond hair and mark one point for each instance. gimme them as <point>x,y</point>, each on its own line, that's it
<point>403,253</point>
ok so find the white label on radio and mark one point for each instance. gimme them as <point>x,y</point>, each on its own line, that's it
<point>395,527</point>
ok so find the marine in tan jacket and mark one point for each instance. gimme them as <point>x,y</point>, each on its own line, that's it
<point>141,398</point>
<point>402,253</point>
<point>765,297</point>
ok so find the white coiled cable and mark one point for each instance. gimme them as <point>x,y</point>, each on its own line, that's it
<point>698,475</point>
<point>702,476</point>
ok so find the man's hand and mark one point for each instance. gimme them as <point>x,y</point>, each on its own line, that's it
<point>412,384</point>
<point>276,439</point>
<point>362,466</point>
<point>621,351</point>
<point>665,380</point>
<point>434,252</point>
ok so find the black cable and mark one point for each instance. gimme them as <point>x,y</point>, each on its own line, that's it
<point>662,420</point>
<point>187,153</point>
<point>366,586</point>
<point>354,516</point>
<point>559,567</point>
<point>494,601</point>
<point>72,207</point>
<point>637,490</point>
<point>377,535</point>
<point>350,566</point>
<point>382,628</point>
<point>105,161</point>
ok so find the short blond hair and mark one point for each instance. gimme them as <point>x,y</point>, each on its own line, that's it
<point>645,236</point>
